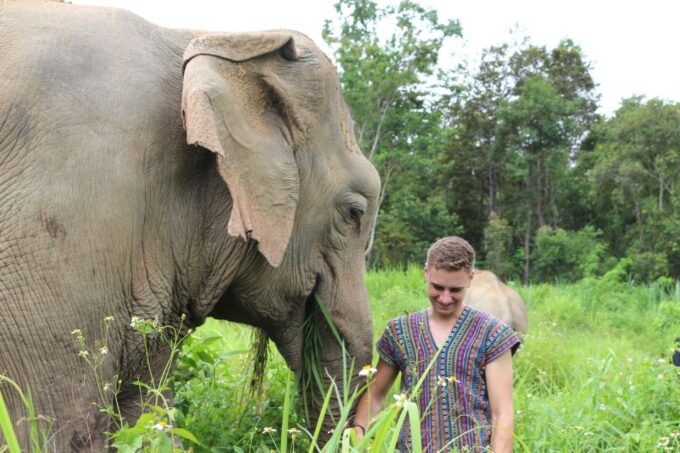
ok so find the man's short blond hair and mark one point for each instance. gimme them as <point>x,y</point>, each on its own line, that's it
<point>451,253</point>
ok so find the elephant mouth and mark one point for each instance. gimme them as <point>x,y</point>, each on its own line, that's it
<point>295,338</point>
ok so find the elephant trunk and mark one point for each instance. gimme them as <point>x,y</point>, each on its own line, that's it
<point>332,358</point>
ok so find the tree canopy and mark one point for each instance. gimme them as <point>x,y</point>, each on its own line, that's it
<point>509,153</point>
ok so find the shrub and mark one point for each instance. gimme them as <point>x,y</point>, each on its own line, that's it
<point>648,266</point>
<point>567,255</point>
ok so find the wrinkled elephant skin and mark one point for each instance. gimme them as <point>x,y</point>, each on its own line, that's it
<point>158,173</point>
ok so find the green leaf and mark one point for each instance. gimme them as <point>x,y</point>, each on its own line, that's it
<point>145,421</point>
<point>205,357</point>
<point>184,434</point>
<point>139,383</point>
<point>207,341</point>
<point>127,441</point>
<point>158,410</point>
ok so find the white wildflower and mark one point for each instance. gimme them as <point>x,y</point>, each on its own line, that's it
<point>402,399</point>
<point>367,371</point>
<point>663,441</point>
<point>268,430</point>
<point>162,425</point>
<point>104,350</point>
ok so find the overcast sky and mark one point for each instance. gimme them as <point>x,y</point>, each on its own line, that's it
<point>632,45</point>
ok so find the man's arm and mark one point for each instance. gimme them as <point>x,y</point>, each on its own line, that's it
<point>372,399</point>
<point>499,386</point>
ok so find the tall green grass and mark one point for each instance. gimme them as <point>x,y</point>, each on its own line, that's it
<point>594,373</point>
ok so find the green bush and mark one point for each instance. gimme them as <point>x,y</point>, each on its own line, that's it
<point>567,255</point>
<point>406,231</point>
<point>212,391</point>
<point>648,266</point>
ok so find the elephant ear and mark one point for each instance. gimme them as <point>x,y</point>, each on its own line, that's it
<point>230,108</point>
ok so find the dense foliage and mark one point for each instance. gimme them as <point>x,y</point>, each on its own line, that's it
<point>510,152</point>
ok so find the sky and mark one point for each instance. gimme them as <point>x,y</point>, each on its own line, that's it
<point>632,46</point>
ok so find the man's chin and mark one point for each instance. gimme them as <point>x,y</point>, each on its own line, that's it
<point>448,309</point>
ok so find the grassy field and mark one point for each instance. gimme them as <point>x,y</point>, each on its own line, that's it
<point>594,373</point>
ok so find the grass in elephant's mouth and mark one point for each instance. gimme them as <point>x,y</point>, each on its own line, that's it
<point>311,379</point>
<point>260,354</point>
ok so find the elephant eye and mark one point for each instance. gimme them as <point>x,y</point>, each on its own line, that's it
<point>356,213</point>
<point>352,208</point>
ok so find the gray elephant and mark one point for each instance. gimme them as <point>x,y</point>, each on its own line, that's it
<point>164,174</point>
<point>489,294</point>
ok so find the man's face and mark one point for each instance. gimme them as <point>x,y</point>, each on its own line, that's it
<point>446,290</point>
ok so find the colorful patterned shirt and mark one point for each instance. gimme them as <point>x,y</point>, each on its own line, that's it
<point>454,403</point>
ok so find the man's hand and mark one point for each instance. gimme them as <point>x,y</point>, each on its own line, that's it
<point>372,399</point>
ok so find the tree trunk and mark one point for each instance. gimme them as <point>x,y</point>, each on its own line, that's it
<point>493,189</point>
<point>527,248</point>
<point>539,194</point>
<point>381,198</point>
<point>383,110</point>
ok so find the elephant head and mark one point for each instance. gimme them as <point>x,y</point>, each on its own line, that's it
<point>268,106</point>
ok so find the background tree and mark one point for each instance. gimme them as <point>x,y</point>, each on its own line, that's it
<point>521,117</point>
<point>387,77</point>
<point>634,169</point>
<point>509,153</point>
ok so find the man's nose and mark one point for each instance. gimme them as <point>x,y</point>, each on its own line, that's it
<point>446,296</point>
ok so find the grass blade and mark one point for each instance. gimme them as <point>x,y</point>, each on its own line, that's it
<point>397,431</point>
<point>414,422</point>
<point>286,416</point>
<point>319,422</point>
<point>7,428</point>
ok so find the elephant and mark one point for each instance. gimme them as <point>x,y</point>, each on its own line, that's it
<point>488,293</point>
<point>155,173</point>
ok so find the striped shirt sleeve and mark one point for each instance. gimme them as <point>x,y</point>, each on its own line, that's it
<point>387,347</point>
<point>500,339</point>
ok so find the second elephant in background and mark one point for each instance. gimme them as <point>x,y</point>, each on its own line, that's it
<point>488,293</point>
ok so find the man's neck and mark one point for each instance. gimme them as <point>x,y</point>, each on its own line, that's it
<point>449,320</point>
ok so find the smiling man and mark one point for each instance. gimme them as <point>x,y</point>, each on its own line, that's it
<point>466,398</point>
